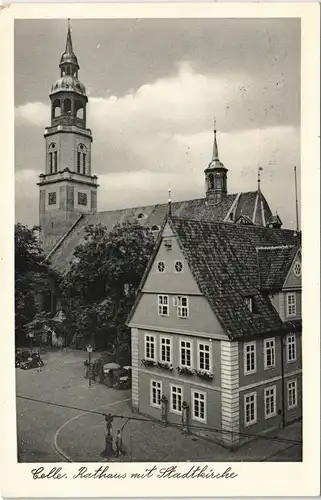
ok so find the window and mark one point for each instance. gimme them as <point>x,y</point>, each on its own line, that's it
<point>292,394</point>
<point>84,163</point>
<point>166,345</point>
<point>199,405</point>
<point>50,163</point>
<point>291,348</point>
<point>269,353</point>
<point>55,162</point>
<point>297,269</point>
<point>155,228</point>
<point>161,267</point>
<point>52,198</point>
<point>186,353</point>
<point>155,393</point>
<point>204,357</point>
<point>250,410</point>
<point>78,161</point>
<point>141,216</point>
<point>291,304</point>
<point>168,244</point>
<point>270,402</point>
<point>178,266</point>
<point>176,399</point>
<point>182,306</point>
<point>248,302</point>
<point>249,358</point>
<point>82,199</point>
<point>163,305</point>
<point>150,347</point>
<point>67,106</point>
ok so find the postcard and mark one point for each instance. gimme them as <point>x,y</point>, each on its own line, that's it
<point>160,215</point>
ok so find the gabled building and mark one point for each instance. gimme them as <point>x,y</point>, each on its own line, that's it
<point>68,190</point>
<point>216,329</point>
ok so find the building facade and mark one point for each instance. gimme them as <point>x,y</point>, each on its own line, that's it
<point>216,338</point>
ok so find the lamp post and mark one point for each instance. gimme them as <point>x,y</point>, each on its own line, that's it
<point>185,415</point>
<point>108,451</point>
<point>30,337</point>
<point>89,350</point>
<point>164,402</point>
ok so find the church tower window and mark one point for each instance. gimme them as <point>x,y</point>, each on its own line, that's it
<point>79,110</point>
<point>67,106</point>
<point>81,159</point>
<point>78,161</point>
<point>55,162</point>
<point>56,109</point>
<point>53,158</point>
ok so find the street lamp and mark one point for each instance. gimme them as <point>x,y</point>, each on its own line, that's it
<point>108,451</point>
<point>89,350</point>
<point>31,337</point>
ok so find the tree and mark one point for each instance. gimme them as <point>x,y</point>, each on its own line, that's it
<point>31,277</point>
<point>99,288</point>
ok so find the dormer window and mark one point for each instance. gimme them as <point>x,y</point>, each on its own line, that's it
<point>141,216</point>
<point>155,228</point>
<point>168,244</point>
<point>297,269</point>
<point>249,303</point>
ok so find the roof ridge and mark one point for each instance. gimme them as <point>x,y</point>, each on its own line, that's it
<point>276,247</point>
<point>154,205</point>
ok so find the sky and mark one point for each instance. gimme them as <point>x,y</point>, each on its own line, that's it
<point>154,88</point>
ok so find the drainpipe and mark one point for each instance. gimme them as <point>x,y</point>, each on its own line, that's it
<point>282,379</point>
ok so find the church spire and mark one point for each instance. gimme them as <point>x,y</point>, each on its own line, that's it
<point>69,57</point>
<point>215,176</point>
<point>215,148</point>
<point>68,48</point>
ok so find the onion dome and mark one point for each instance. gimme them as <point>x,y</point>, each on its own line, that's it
<point>68,83</point>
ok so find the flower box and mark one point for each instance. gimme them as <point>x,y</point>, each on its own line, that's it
<point>165,366</point>
<point>148,362</point>
<point>204,375</point>
<point>185,370</point>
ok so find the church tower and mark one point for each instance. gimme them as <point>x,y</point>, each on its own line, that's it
<point>215,177</point>
<point>67,188</point>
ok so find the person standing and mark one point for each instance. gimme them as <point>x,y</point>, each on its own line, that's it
<point>119,443</point>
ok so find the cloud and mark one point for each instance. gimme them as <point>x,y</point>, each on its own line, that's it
<point>161,135</point>
<point>32,113</point>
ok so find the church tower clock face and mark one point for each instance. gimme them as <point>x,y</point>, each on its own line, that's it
<point>67,187</point>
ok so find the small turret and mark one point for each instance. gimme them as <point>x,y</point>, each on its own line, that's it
<point>215,176</point>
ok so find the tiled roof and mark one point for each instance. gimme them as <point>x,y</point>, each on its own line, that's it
<point>274,266</point>
<point>153,215</point>
<point>223,260</point>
